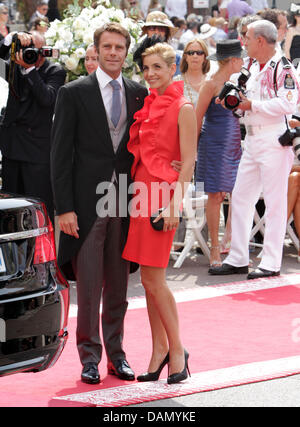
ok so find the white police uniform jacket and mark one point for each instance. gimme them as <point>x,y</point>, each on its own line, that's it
<point>265,164</point>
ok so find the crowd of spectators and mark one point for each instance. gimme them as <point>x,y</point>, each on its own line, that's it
<point>189,34</point>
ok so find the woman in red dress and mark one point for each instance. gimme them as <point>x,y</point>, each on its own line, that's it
<point>164,130</point>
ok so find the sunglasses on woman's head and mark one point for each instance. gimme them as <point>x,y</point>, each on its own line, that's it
<point>197,52</point>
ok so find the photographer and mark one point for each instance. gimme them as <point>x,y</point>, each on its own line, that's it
<point>26,126</point>
<point>272,93</point>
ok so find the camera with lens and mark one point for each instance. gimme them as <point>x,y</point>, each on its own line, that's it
<point>31,53</point>
<point>230,92</point>
<point>287,139</point>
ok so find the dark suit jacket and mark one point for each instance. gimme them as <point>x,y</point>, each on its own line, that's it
<point>26,128</point>
<point>82,154</point>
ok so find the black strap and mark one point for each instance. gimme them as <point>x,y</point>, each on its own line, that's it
<point>286,65</point>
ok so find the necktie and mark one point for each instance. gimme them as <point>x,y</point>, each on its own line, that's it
<point>116,102</point>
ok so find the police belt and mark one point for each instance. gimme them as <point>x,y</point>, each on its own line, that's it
<point>258,129</point>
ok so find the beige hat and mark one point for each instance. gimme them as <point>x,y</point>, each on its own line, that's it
<point>159,19</point>
<point>207,31</point>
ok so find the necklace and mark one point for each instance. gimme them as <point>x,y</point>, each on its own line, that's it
<point>189,87</point>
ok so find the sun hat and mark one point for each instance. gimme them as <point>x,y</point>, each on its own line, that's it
<point>295,9</point>
<point>159,19</point>
<point>207,31</point>
<point>228,49</point>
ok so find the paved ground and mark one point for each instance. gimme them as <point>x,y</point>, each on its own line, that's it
<point>279,393</point>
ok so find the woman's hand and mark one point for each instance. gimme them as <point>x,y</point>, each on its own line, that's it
<point>171,221</point>
<point>176,165</point>
<point>294,123</point>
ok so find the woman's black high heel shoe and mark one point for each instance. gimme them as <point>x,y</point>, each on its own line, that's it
<point>154,376</point>
<point>180,376</point>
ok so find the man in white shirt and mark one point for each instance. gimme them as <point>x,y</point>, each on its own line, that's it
<point>272,93</point>
<point>190,34</point>
<point>176,8</point>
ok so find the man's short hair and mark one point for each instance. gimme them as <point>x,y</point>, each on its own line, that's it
<point>42,3</point>
<point>112,27</point>
<point>265,29</point>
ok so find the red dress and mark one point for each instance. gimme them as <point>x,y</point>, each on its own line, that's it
<point>154,142</point>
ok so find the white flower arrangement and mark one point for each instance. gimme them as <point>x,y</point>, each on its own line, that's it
<point>75,33</point>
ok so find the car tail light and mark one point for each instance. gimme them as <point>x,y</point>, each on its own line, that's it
<point>45,243</point>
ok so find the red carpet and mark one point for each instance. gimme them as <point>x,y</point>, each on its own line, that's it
<point>235,333</point>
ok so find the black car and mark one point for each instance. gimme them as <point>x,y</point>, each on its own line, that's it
<point>34,295</point>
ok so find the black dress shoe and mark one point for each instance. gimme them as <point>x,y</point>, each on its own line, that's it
<point>121,369</point>
<point>227,269</point>
<point>90,373</point>
<point>261,272</point>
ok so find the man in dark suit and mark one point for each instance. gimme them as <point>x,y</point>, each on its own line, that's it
<point>26,127</point>
<point>41,12</point>
<point>89,147</point>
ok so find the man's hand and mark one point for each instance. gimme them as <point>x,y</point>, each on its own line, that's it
<point>245,104</point>
<point>294,123</point>
<point>20,61</point>
<point>68,224</point>
<point>25,39</point>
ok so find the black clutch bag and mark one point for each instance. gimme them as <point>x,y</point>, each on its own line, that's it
<point>159,225</point>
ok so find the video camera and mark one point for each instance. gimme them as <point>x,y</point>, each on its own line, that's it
<point>230,92</point>
<point>291,137</point>
<point>31,53</point>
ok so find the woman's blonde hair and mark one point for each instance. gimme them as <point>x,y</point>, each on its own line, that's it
<point>206,63</point>
<point>164,50</point>
<point>225,61</point>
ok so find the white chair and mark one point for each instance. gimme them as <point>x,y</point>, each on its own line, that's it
<point>194,214</point>
<point>290,232</point>
<point>260,226</point>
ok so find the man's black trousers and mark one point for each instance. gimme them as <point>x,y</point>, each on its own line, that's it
<point>28,179</point>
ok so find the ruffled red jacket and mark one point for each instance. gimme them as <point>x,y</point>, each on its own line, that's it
<point>154,136</point>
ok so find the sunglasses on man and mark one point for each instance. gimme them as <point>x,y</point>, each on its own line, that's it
<point>193,52</point>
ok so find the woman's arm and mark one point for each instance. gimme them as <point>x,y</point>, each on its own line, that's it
<point>188,142</point>
<point>206,93</point>
<point>288,43</point>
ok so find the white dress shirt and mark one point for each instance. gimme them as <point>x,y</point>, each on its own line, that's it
<point>106,89</point>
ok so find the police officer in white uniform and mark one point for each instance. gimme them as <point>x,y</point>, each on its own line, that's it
<point>265,163</point>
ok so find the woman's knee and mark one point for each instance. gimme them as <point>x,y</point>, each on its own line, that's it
<point>216,198</point>
<point>153,279</point>
<point>294,180</point>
